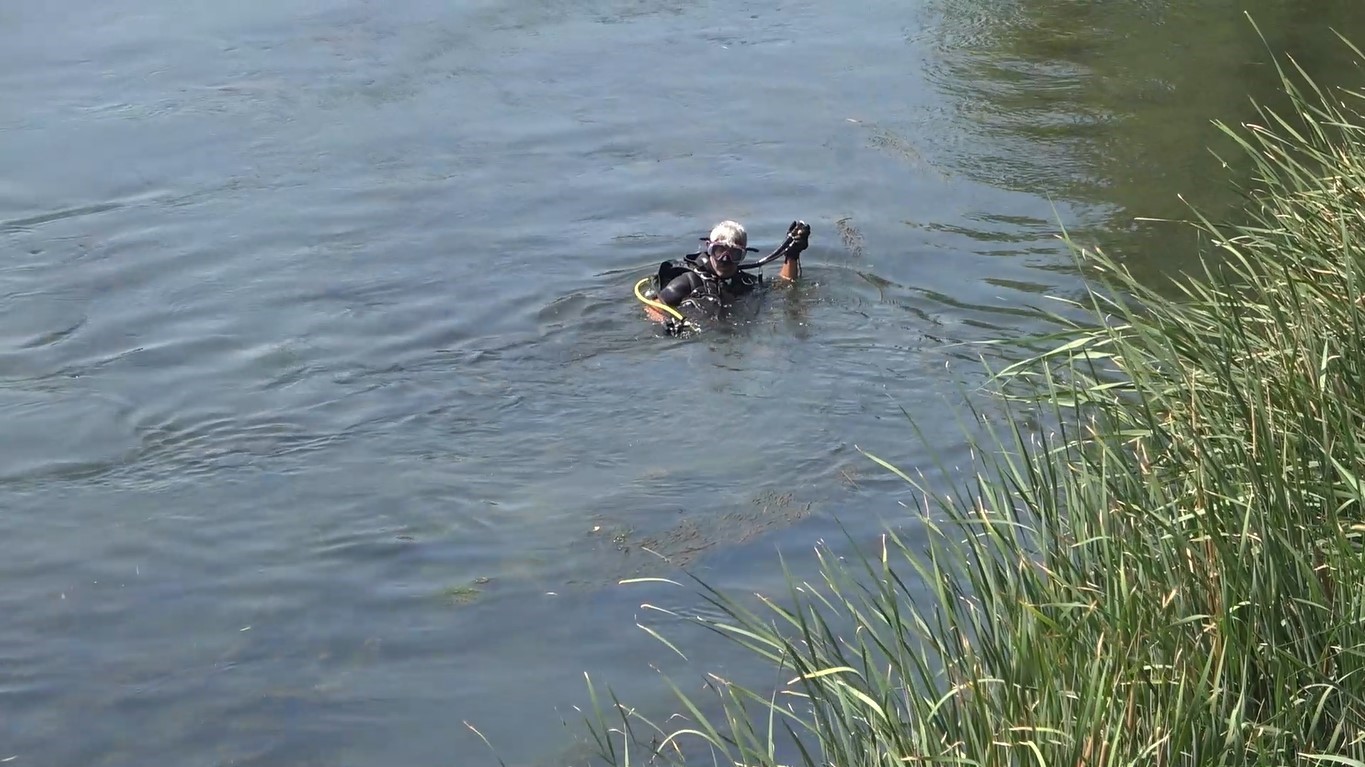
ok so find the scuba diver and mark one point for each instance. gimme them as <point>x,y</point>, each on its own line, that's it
<point>709,279</point>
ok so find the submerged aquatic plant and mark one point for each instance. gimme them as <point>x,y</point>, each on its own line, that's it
<point>1171,574</point>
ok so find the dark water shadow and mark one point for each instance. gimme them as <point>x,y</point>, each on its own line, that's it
<point>1110,104</point>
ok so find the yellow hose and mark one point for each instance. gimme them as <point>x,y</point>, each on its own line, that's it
<point>661,306</point>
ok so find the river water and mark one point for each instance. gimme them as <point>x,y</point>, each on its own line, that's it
<point>329,422</point>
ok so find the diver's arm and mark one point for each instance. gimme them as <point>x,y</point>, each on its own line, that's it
<point>798,239</point>
<point>799,236</point>
<point>679,288</point>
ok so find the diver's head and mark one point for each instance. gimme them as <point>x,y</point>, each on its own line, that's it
<point>725,248</point>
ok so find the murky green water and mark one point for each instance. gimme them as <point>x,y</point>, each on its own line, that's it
<point>328,421</point>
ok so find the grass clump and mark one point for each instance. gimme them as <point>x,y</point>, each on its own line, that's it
<point>1170,574</point>
<point>465,593</point>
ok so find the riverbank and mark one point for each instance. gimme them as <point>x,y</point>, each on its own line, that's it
<point>1169,573</point>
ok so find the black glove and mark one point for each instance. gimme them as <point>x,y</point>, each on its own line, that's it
<point>799,234</point>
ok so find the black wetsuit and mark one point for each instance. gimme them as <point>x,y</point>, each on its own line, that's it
<point>692,282</point>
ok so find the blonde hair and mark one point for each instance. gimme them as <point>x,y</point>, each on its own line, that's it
<point>730,233</point>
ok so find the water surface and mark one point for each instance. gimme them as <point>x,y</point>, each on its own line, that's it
<point>329,422</point>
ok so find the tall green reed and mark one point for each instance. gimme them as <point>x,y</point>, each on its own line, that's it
<point>1171,573</point>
